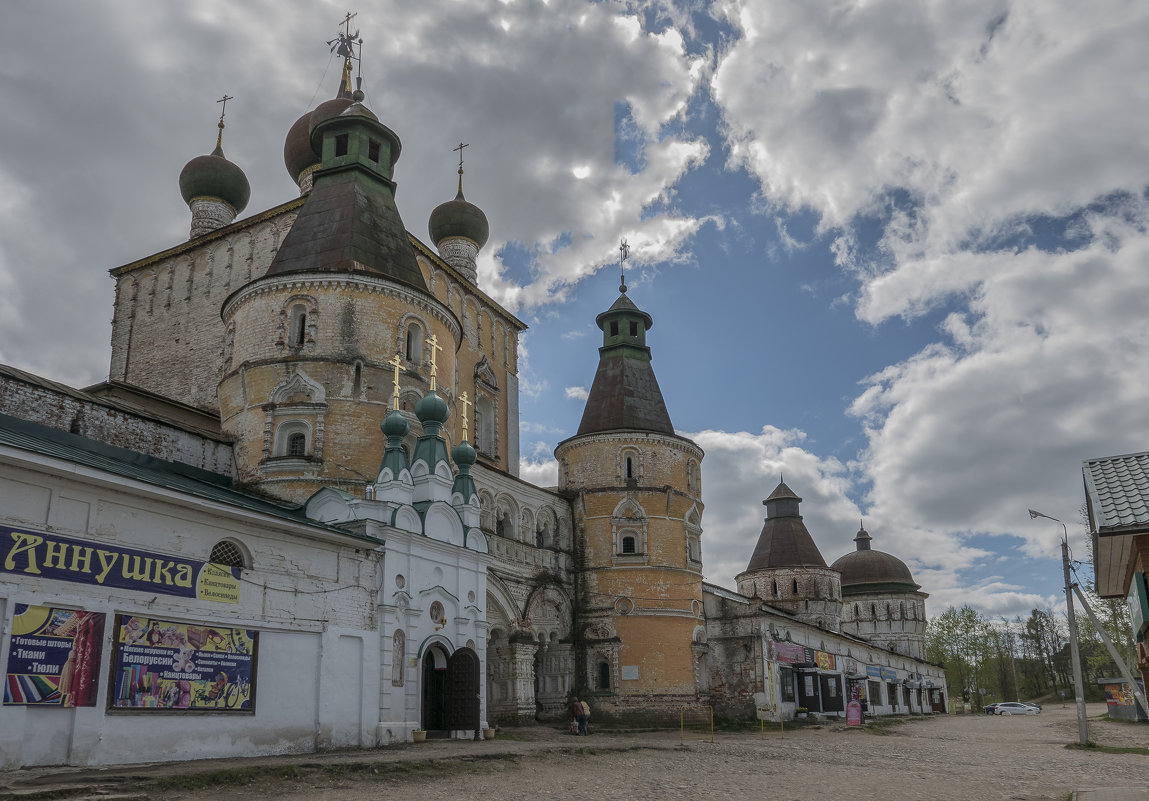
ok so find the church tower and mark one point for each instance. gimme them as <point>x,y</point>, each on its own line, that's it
<point>787,570</point>
<point>310,343</point>
<point>636,492</point>
<point>881,600</point>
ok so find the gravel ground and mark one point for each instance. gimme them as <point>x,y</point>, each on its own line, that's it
<point>945,758</point>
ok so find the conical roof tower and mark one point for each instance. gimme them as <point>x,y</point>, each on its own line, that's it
<point>787,569</point>
<point>638,529</point>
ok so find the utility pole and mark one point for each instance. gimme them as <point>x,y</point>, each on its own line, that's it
<point>1074,652</point>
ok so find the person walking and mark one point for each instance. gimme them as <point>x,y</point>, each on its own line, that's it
<point>585,717</point>
<point>580,716</point>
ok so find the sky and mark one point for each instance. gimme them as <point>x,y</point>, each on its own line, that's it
<point>896,253</point>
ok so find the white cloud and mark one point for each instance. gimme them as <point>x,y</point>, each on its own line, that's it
<point>577,393</point>
<point>966,134</point>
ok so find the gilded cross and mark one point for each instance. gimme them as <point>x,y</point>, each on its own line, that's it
<point>223,108</point>
<point>463,400</point>
<point>434,343</point>
<point>460,149</point>
<point>396,363</point>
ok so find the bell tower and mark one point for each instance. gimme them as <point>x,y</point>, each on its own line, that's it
<point>638,510</point>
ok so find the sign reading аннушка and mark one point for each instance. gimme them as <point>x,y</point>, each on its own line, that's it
<point>50,556</point>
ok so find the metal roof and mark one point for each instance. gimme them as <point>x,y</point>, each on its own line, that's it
<point>176,476</point>
<point>1117,488</point>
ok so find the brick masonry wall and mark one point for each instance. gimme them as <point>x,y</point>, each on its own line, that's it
<point>167,336</point>
<point>75,413</point>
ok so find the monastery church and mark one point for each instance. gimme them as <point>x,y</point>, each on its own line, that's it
<point>292,519</point>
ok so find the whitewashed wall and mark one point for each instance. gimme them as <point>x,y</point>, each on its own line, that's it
<point>310,593</point>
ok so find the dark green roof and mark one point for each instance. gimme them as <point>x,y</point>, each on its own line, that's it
<point>176,476</point>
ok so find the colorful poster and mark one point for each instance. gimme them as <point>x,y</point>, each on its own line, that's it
<point>823,660</point>
<point>50,556</point>
<point>54,656</point>
<point>792,654</point>
<point>165,666</point>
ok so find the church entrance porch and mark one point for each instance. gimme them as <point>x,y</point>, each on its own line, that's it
<point>450,692</point>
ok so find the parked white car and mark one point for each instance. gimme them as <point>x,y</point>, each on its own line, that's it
<point>1016,708</point>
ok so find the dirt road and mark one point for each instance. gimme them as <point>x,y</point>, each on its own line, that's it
<point>944,758</point>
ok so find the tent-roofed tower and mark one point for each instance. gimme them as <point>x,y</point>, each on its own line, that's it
<point>314,334</point>
<point>787,569</point>
<point>638,513</point>
<point>881,600</point>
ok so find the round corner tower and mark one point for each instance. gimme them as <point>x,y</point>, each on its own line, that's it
<point>638,511</point>
<point>787,569</point>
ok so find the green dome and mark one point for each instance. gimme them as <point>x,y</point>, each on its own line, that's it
<point>432,409</point>
<point>395,425</point>
<point>463,454</point>
<point>459,218</point>
<point>215,176</point>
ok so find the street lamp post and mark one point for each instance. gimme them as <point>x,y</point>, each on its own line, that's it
<point>1074,653</point>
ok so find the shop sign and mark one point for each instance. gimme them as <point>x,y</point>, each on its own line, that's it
<point>823,660</point>
<point>873,672</point>
<point>50,556</point>
<point>854,713</point>
<point>889,674</point>
<point>53,656</point>
<point>793,654</point>
<point>160,665</point>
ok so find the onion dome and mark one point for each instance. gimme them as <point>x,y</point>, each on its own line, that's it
<point>215,189</point>
<point>784,541</point>
<point>464,455</point>
<point>432,411</point>
<point>299,155</point>
<point>458,218</point>
<point>395,428</point>
<point>459,230</point>
<point>866,570</point>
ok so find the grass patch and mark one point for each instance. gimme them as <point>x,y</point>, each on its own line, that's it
<point>1109,749</point>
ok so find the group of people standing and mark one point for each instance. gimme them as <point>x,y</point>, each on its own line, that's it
<point>581,712</point>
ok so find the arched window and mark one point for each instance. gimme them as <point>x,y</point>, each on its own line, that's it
<point>856,610</point>
<point>630,467</point>
<point>227,553</point>
<point>485,426</point>
<point>293,438</point>
<point>795,587</point>
<point>413,348</point>
<point>776,595</point>
<point>628,545</point>
<point>298,325</point>
<point>874,611</point>
<point>603,676</point>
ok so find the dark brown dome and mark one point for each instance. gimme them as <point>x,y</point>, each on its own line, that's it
<point>866,570</point>
<point>298,154</point>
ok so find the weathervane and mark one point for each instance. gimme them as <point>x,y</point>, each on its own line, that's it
<point>460,149</point>
<point>344,44</point>
<point>219,137</point>
<point>624,254</point>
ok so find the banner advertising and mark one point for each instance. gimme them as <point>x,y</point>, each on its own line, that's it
<point>823,660</point>
<point>54,656</point>
<point>50,556</point>
<point>792,654</point>
<point>873,672</point>
<point>164,666</point>
<point>889,674</point>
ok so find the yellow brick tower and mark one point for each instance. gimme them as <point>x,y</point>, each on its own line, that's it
<point>636,489</point>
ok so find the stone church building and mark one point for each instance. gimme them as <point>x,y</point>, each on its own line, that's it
<point>316,412</point>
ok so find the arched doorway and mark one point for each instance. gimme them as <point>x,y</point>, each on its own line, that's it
<point>451,692</point>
